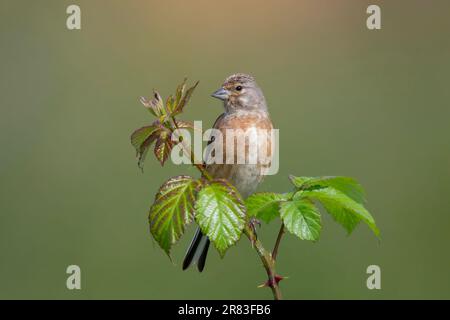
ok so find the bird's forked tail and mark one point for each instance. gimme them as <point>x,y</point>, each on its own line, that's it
<point>197,252</point>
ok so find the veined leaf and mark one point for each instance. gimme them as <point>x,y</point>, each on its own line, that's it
<point>163,147</point>
<point>147,105</point>
<point>265,205</point>
<point>140,135</point>
<point>170,103</point>
<point>180,92</point>
<point>298,182</point>
<point>145,147</point>
<point>185,99</point>
<point>346,185</point>
<point>220,214</point>
<point>301,218</point>
<point>155,106</point>
<point>172,210</point>
<point>142,139</point>
<point>344,209</point>
<point>183,124</point>
<point>342,215</point>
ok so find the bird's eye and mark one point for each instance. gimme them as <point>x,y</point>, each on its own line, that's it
<point>238,88</point>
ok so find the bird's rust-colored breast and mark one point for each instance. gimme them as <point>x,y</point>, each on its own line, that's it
<point>244,121</point>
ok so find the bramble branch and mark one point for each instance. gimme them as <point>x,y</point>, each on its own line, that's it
<point>267,259</point>
<point>342,197</point>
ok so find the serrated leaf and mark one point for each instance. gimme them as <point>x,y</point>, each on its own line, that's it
<point>301,218</point>
<point>342,215</point>
<point>185,124</point>
<point>155,105</point>
<point>265,205</point>
<point>343,208</point>
<point>170,104</point>
<point>147,105</point>
<point>346,185</point>
<point>142,139</point>
<point>220,214</point>
<point>140,135</point>
<point>298,181</point>
<point>172,210</point>
<point>163,147</point>
<point>145,147</point>
<point>185,99</point>
<point>180,92</point>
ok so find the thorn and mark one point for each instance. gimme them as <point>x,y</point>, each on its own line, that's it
<point>269,283</point>
<point>278,278</point>
<point>263,285</point>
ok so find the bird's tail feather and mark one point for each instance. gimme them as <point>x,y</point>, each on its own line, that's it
<point>197,252</point>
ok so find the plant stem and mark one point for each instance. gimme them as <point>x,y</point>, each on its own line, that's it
<point>268,263</point>
<point>277,243</point>
<point>266,257</point>
<point>191,154</point>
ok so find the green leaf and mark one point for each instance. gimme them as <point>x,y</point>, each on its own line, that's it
<point>142,139</point>
<point>265,205</point>
<point>298,182</point>
<point>170,103</point>
<point>220,214</point>
<point>343,208</point>
<point>342,215</point>
<point>172,210</point>
<point>346,185</point>
<point>185,99</point>
<point>180,92</point>
<point>144,149</point>
<point>301,218</point>
<point>139,136</point>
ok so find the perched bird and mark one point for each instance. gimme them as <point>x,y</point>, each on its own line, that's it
<point>245,108</point>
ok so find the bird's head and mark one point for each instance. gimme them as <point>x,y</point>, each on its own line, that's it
<point>240,92</point>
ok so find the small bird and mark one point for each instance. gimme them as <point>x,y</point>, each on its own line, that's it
<point>245,108</point>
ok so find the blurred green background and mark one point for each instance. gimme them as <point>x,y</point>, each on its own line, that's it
<point>373,105</point>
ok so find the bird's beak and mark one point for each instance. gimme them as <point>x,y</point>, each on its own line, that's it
<point>221,94</point>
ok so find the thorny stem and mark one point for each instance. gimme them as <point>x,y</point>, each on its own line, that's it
<point>267,259</point>
<point>268,263</point>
